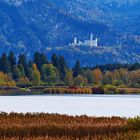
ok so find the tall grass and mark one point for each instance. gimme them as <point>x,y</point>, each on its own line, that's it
<point>129,90</point>
<point>61,127</point>
<point>77,90</point>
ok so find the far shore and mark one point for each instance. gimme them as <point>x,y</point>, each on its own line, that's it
<point>109,89</point>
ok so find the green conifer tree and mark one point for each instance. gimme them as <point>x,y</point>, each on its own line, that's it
<point>5,64</point>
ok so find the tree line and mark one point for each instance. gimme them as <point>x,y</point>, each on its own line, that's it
<point>39,71</point>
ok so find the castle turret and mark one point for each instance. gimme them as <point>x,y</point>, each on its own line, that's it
<point>96,42</point>
<point>93,43</point>
<point>91,40</point>
<point>91,37</point>
<point>75,40</point>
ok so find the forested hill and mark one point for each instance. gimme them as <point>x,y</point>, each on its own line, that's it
<point>49,26</point>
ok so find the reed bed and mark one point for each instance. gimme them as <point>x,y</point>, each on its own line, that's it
<point>62,127</point>
<point>68,90</point>
<point>129,90</point>
<point>92,90</point>
<point>119,136</point>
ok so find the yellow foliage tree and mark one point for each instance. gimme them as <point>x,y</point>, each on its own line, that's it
<point>69,78</point>
<point>5,80</point>
<point>97,75</point>
<point>35,75</point>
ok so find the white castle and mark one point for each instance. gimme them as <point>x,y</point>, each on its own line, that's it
<point>91,42</point>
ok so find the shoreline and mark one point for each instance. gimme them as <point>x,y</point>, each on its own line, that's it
<point>53,90</point>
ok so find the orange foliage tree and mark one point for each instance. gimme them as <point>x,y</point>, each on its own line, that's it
<point>97,75</point>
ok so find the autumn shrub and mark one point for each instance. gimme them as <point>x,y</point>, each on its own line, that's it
<point>68,90</point>
<point>125,91</point>
<point>122,86</point>
<point>129,90</point>
<point>110,89</point>
<point>24,82</point>
<point>6,80</point>
<point>134,123</point>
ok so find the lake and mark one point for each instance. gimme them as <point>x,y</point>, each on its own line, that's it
<point>91,105</point>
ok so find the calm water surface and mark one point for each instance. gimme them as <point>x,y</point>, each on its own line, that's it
<point>91,105</point>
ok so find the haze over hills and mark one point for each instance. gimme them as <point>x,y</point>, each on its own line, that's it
<point>50,25</point>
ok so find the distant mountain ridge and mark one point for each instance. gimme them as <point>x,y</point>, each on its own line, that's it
<point>50,25</point>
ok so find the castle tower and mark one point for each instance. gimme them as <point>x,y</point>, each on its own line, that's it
<point>75,41</point>
<point>91,37</point>
<point>91,40</point>
<point>96,42</point>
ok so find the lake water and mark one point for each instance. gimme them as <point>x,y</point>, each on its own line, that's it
<point>91,105</point>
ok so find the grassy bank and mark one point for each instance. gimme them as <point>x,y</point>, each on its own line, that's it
<point>62,127</point>
<point>107,89</point>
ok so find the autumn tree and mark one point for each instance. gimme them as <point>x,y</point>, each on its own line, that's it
<point>80,80</point>
<point>116,75</point>
<point>49,74</point>
<point>69,78</point>
<point>107,78</point>
<point>35,75</point>
<point>88,74</point>
<point>116,78</point>
<point>135,78</point>
<point>124,75</point>
<point>97,75</point>
<point>23,82</point>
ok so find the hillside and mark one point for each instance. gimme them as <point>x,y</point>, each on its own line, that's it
<point>49,26</point>
<point>116,13</point>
